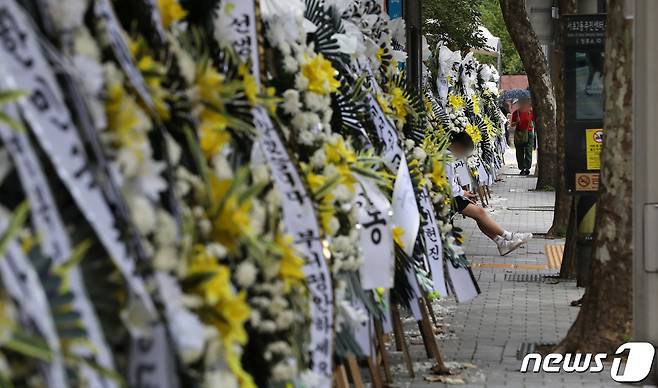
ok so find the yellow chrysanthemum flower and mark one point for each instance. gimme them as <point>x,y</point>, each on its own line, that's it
<point>231,220</point>
<point>346,176</point>
<point>212,123</point>
<point>339,153</point>
<point>474,133</point>
<point>456,102</point>
<point>315,181</point>
<point>476,104</point>
<point>229,309</point>
<point>398,232</point>
<point>291,266</point>
<point>321,75</point>
<point>127,123</point>
<point>380,54</point>
<point>234,363</point>
<point>383,103</point>
<point>217,293</point>
<point>399,102</point>
<point>428,105</point>
<point>171,12</point>
<point>208,83</point>
<point>438,174</point>
<point>250,85</point>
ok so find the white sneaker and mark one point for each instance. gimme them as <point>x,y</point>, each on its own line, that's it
<point>507,246</point>
<point>525,237</point>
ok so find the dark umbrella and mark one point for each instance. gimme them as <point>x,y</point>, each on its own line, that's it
<point>513,94</point>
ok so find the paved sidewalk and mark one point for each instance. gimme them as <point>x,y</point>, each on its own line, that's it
<point>481,338</point>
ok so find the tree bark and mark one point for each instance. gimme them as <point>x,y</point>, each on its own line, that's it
<point>563,201</point>
<point>543,100</point>
<point>604,322</point>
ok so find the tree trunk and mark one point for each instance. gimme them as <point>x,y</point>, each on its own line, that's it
<point>563,201</point>
<point>543,100</point>
<point>604,322</point>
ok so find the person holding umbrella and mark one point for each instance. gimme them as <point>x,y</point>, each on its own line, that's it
<point>524,135</point>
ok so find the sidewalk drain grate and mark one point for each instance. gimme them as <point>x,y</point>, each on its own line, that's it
<point>530,347</point>
<point>524,277</point>
<point>533,208</point>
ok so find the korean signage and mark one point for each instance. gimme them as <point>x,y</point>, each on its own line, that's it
<point>584,40</point>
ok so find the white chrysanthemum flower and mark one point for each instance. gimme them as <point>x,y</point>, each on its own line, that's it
<point>310,379</point>
<point>219,378</point>
<point>291,103</point>
<point>342,193</point>
<point>301,82</point>
<point>306,137</point>
<point>245,274</point>
<point>343,244</point>
<point>284,371</point>
<point>254,318</point>
<point>267,327</point>
<point>277,305</point>
<point>319,158</point>
<point>312,120</point>
<point>67,15</point>
<point>290,63</point>
<point>314,101</point>
<point>205,227</point>
<point>217,250</point>
<point>419,154</point>
<point>334,224</point>
<point>166,259</point>
<point>285,319</point>
<point>221,167</point>
<point>260,173</point>
<point>143,214</point>
<point>258,217</point>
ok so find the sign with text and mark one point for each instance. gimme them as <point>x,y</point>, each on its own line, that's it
<point>584,42</point>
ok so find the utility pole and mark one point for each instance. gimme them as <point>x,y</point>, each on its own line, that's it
<point>413,18</point>
<point>645,181</point>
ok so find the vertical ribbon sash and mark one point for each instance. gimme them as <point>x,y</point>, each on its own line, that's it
<point>298,211</point>
<point>22,283</point>
<point>375,236</point>
<point>57,246</point>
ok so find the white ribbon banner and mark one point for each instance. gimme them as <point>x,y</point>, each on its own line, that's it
<point>375,236</point>
<point>298,212</point>
<point>300,221</point>
<point>405,207</point>
<point>105,13</point>
<point>433,246</point>
<point>22,283</point>
<point>56,245</point>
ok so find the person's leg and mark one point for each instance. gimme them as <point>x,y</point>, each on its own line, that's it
<point>485,223</point>
<point>519,148</point>
<point>505,241</point>
<point>527,153</point>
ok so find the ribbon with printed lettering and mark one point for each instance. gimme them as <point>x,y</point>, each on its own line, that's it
<point>22,283</point>
<point>298,212</point>
<point>56,245</point>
